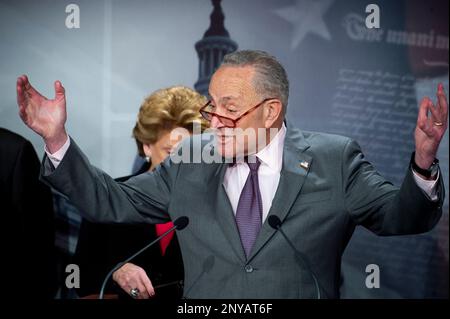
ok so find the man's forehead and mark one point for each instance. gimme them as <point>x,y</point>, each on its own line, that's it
<point>231,83</point>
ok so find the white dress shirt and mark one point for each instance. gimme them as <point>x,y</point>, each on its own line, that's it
<point>271,157</point>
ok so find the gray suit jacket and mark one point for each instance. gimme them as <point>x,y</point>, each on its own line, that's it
<point>319,207</point>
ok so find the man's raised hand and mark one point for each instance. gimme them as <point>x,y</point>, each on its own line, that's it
<point>44,116</point>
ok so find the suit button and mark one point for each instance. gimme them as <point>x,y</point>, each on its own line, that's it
<point>248,268</point>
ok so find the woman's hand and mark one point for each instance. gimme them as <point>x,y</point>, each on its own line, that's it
<point>133,278</point>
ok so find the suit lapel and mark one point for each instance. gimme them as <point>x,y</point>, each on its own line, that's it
<point>294,171</point>
<point>225,214</point>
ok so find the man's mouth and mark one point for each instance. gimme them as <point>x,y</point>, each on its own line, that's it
<point>223,139</point>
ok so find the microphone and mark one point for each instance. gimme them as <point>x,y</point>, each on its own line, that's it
<point>275,223</point>
<point>179,224</point>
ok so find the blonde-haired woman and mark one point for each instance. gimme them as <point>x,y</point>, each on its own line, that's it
<point>100,247</point>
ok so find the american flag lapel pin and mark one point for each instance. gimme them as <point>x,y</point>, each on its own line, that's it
<point>304,164</point>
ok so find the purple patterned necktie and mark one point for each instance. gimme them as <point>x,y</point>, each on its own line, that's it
<point>249,209</point>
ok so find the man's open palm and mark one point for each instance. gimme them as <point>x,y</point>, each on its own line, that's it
<point>44,116</point>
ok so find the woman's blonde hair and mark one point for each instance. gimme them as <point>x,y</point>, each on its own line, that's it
<point>166,109</point>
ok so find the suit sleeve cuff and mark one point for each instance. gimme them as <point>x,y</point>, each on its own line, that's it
<point>57,157</point>
<point>427,186</point>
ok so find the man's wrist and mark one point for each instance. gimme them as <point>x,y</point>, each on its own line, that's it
<point>424,162</point>
<point>54,144</point>
<point>427,169</point>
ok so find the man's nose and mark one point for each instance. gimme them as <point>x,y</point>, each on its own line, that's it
<point>215,122</point>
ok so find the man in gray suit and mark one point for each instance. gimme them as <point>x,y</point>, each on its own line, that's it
<point>320,186</point>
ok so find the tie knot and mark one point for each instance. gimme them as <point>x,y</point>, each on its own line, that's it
<point>253,166</point>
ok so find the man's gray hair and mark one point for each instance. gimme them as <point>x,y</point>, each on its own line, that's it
<point>270,77</point>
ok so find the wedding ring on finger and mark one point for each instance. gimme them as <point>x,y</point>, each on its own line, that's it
<point>438,123</point>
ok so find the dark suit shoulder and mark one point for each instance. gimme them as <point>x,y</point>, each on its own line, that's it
<point>17,154</point>
<point>11,143</point>
<point>327,139</point>
<point>322,144</point>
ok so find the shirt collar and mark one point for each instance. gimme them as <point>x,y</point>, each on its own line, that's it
<point>272,154</point>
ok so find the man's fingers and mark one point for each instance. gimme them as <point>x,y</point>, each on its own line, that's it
<point>442,102</point>
<point>435,112</point>
<point>422,119</point>
<point>20,93</point>
<point>22,80</point>
<point>29,90</point>
<point>21,99</point>
<point>59,90</point>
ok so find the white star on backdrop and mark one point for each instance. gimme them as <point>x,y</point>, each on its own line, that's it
<point>306,16</point>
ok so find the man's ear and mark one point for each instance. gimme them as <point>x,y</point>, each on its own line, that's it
<point>273,111</point>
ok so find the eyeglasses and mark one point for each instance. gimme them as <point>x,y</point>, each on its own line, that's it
<point>228,122</point>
